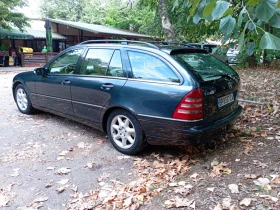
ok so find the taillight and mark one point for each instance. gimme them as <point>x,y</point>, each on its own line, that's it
<point>191,106</point>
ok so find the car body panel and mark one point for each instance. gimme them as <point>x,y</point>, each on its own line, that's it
<point>90,94</point>
<point>52,93</point>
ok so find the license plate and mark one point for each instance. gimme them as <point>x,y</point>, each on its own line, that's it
<point>225,100</point>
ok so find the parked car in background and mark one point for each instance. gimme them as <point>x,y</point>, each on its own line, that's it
<point>136,92</point>
<point>212,49</point>
<point>232,55</point>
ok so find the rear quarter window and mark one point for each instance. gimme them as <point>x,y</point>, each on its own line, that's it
<point>148,67</point>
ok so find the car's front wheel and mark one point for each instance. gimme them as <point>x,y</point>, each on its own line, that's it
<point>125,132</point>
<point>22,100</point>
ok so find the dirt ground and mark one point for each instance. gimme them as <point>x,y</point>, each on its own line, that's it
<point>238,171</point>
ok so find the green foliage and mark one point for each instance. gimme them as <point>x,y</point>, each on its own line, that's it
<point>270,42</point>
<point>250,23</point>
<point>3,48</point>
<point>63,9</point>
<point>8,18</point>
<point>116,13</point>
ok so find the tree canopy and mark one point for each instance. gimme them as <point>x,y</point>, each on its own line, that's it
<point>8,17</point>
<point>116,13</point>
<point>252,24</point>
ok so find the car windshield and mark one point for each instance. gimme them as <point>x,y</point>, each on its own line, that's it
<point>206,65</point>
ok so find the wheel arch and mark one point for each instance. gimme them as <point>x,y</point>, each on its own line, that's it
<point>109,111</point>
<point>15,84</point>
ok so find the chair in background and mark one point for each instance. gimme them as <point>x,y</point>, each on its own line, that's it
<point>2,60</point>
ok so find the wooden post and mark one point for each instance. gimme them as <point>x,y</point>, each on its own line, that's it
<point>46,57</point>
<point>22,59</point>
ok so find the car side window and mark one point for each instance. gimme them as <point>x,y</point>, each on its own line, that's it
<point>115,68</point>
<point>147,67</point>
<point>65,64</point>
<point>96,61</point>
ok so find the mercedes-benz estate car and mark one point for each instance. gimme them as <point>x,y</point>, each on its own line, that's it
<point>136,92</point>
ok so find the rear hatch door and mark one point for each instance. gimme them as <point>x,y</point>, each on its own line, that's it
<point>219,82</point>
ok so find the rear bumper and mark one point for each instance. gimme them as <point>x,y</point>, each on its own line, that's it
<point>159,132</point>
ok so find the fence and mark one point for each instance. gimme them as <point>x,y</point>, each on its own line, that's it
<point>35,59</point>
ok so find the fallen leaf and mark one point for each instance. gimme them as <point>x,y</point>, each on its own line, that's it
<point>233,188</point>
<point>227,202</point>
<point>194,176</point>
<point>251,176</point>
<point>49,184</point>
<point>211,189</point>
<point>218,207</point>
<point>89,165</point>
<point>182,183</point>
<point>245,202</point>
<point>63,181</point>
<point>4,200</point>
<point>61,189</point>
<point>221,168</point>
<point>81,145</point>
<point>169,203</point>
<point>263,133</point>
<point>75,188</point>
<point>269,198</point>
<point>63,153</point>
<point>234,207</point>
<point>100,141</point>
<point>173,184</point>
<point>50,168</point>
<point>261,181</point>
<point>64,170</point>
<point>40,199</point>
<point>183,202</point>
<point>275,179</point>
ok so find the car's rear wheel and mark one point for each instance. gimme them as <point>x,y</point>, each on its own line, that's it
<point>125,132</point>
<point>22,100</point>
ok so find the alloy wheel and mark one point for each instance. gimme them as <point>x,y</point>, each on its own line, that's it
<point>22,100</point>
<point>122,131</point>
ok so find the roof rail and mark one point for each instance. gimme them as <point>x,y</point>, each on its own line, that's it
<point>164,43</point>
<point>123,42</point>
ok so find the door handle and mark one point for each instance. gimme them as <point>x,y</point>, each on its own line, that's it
<point>66,82</point>
<point>107,86</point>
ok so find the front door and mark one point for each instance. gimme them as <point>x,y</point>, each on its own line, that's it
<point>100,78</point>
<point>54,90</point>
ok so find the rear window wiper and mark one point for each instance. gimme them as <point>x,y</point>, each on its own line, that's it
<point>220,74</point>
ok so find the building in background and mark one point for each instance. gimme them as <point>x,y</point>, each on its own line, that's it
<point>64,35</point>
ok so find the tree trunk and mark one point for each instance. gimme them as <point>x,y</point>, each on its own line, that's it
<point>168,29</point>
<point>252,61</point>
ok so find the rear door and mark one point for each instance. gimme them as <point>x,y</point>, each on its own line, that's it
<point>101,76</point>
<point>54,90</point>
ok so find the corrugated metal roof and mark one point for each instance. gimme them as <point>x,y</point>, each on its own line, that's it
<point>42,34</point>
<point>14,34</point>
<point>101,29</point>
<point>27,34</point>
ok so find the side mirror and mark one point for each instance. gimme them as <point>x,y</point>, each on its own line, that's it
<point>41,71</point>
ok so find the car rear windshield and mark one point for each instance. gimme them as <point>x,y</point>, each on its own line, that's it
<point>206,65</point>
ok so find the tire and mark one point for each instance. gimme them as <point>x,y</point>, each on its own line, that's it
<point>125,132</point>
<point>22,100</point>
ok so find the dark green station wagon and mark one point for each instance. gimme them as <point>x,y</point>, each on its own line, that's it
<point>137,92</point>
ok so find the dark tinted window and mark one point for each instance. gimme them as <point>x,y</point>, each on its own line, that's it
<point>66,64</point>
<point>210,48</point>
<point>96,61</point>
<point>115,68</point>
<point>206,65</point>
<point>148,67</point>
